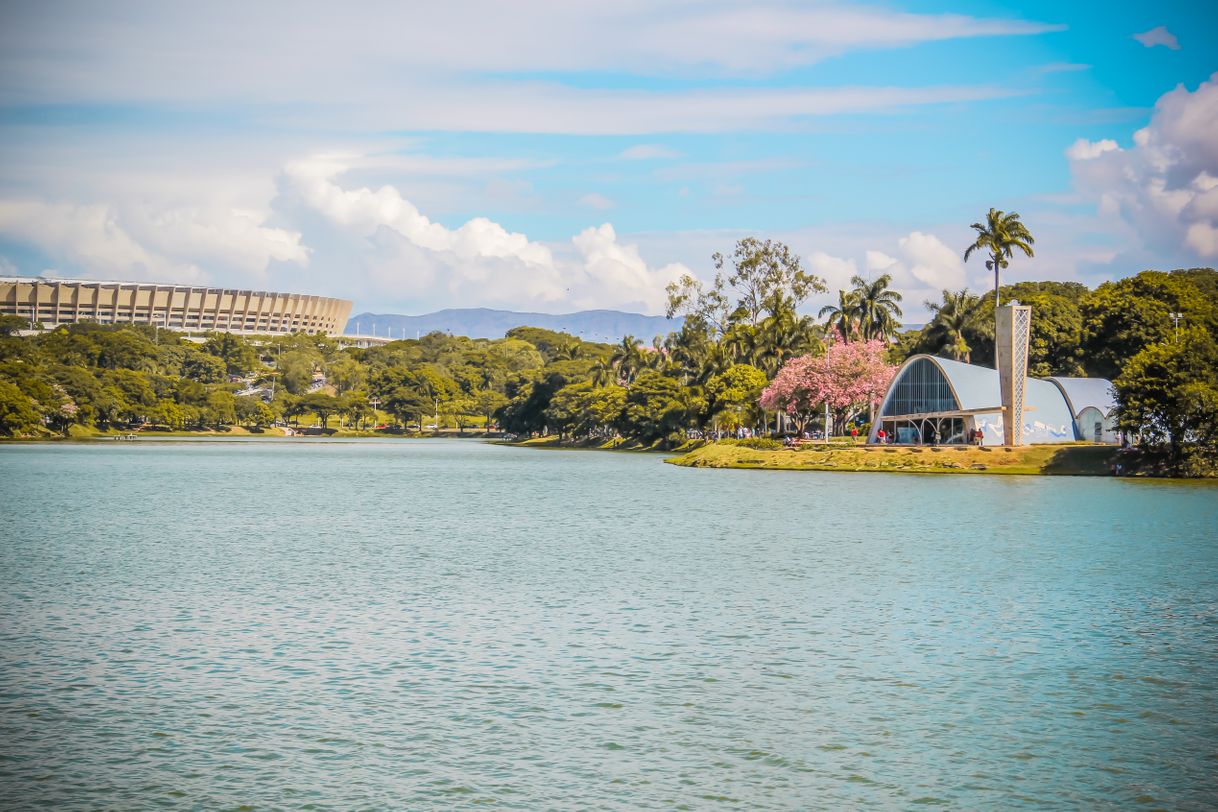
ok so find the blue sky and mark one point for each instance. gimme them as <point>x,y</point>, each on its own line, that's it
<point>557,158</point>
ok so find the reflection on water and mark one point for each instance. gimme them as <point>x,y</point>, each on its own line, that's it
<point>433,624</point>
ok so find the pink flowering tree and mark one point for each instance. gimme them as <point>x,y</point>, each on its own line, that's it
<point>852,377</point>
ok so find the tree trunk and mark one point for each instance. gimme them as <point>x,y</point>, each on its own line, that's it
<point>996,302</point>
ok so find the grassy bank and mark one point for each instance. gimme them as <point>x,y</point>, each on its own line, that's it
<point>1068,460</point>
<point>596,444</point>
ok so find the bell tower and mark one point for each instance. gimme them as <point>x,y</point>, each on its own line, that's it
<point>1012,326</point>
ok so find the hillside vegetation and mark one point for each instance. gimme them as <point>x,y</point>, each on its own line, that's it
<point>746,359</point>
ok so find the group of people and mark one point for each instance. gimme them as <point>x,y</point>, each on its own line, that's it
<point>975,436</point>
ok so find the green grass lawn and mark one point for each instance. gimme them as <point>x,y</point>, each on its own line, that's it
<point>1072,459</point>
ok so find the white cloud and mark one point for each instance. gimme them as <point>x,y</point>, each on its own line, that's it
<point>144,241</point>
<point>1164,184</point>
<point>1159,35</point>
<point>451,66</point>
<point>1203,238</point>
<point>931,262</point>
<point>921,266</point>
<point>293,52</point>
<point>836,271</point>
<point>365,210</point>
<point>647,152</point>
<point>540,107</point>
<point>610,269</point>
<point>408,258</point>
<point>318,229</point>
<point>924,263</point>
<point>877,262</point>
<point>1084,150</point>
<point>593,200</point>
<point>226,238</point>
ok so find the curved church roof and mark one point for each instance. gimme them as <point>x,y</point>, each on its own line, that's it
<point>921,387</point>
<point>976,387</point>
<point>1083,392</point>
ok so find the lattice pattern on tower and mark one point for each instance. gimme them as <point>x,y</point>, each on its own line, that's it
<point>1022,333</point>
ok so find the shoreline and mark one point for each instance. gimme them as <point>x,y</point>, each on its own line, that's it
<point>235,432</point>
<point>1035,460</point>
<point>1072,459</point>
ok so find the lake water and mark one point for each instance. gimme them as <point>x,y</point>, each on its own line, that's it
<point>433,624</point>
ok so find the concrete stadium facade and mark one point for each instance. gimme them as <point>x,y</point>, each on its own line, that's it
<point>176,307</point>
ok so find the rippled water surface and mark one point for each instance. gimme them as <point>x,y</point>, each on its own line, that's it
<point>430,625</point>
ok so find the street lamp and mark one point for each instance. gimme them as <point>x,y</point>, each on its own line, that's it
<point>1175,319</point>
<point>828,346</point>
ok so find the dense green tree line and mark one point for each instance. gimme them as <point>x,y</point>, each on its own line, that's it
<point>1153,333</point>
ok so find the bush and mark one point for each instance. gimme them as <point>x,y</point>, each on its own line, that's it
<point>759,443</point>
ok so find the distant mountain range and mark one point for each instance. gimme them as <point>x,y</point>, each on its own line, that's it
<point>605,326</point>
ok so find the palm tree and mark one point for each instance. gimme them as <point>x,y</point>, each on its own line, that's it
<point>841,317</point>
<point>876,307</point>
<point>717,358</point>
<point>742,343</point>
<point>568,351</point>
<point>604,372</point>
<point>953,317</point>
<point>1001,234</point>
<point>656,357</point>
<point>627,359</point>
<point>783,337</point>
<point>687,350</point>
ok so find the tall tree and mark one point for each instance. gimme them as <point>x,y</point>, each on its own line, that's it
<point>841,317</point>
<point>852,377</point>
<point>1000,235</point>
<point>733,395</point>
<point>784,337</point>
<point>487,402</point>
<point>628,359</point>
<point>19,414</point>
<point>955,319</point>
<point>1168,397</point>
<point>1054,342</point>
<point>604,371</point>
<point>719,358</point>
<point>1122,318</point>
<point>743,342</point>
<point>877,306</point>
<point>766,278</point>
<point>656,407</point>
<point>321,404</point>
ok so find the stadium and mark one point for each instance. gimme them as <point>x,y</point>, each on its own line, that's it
<point>51,302</point>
